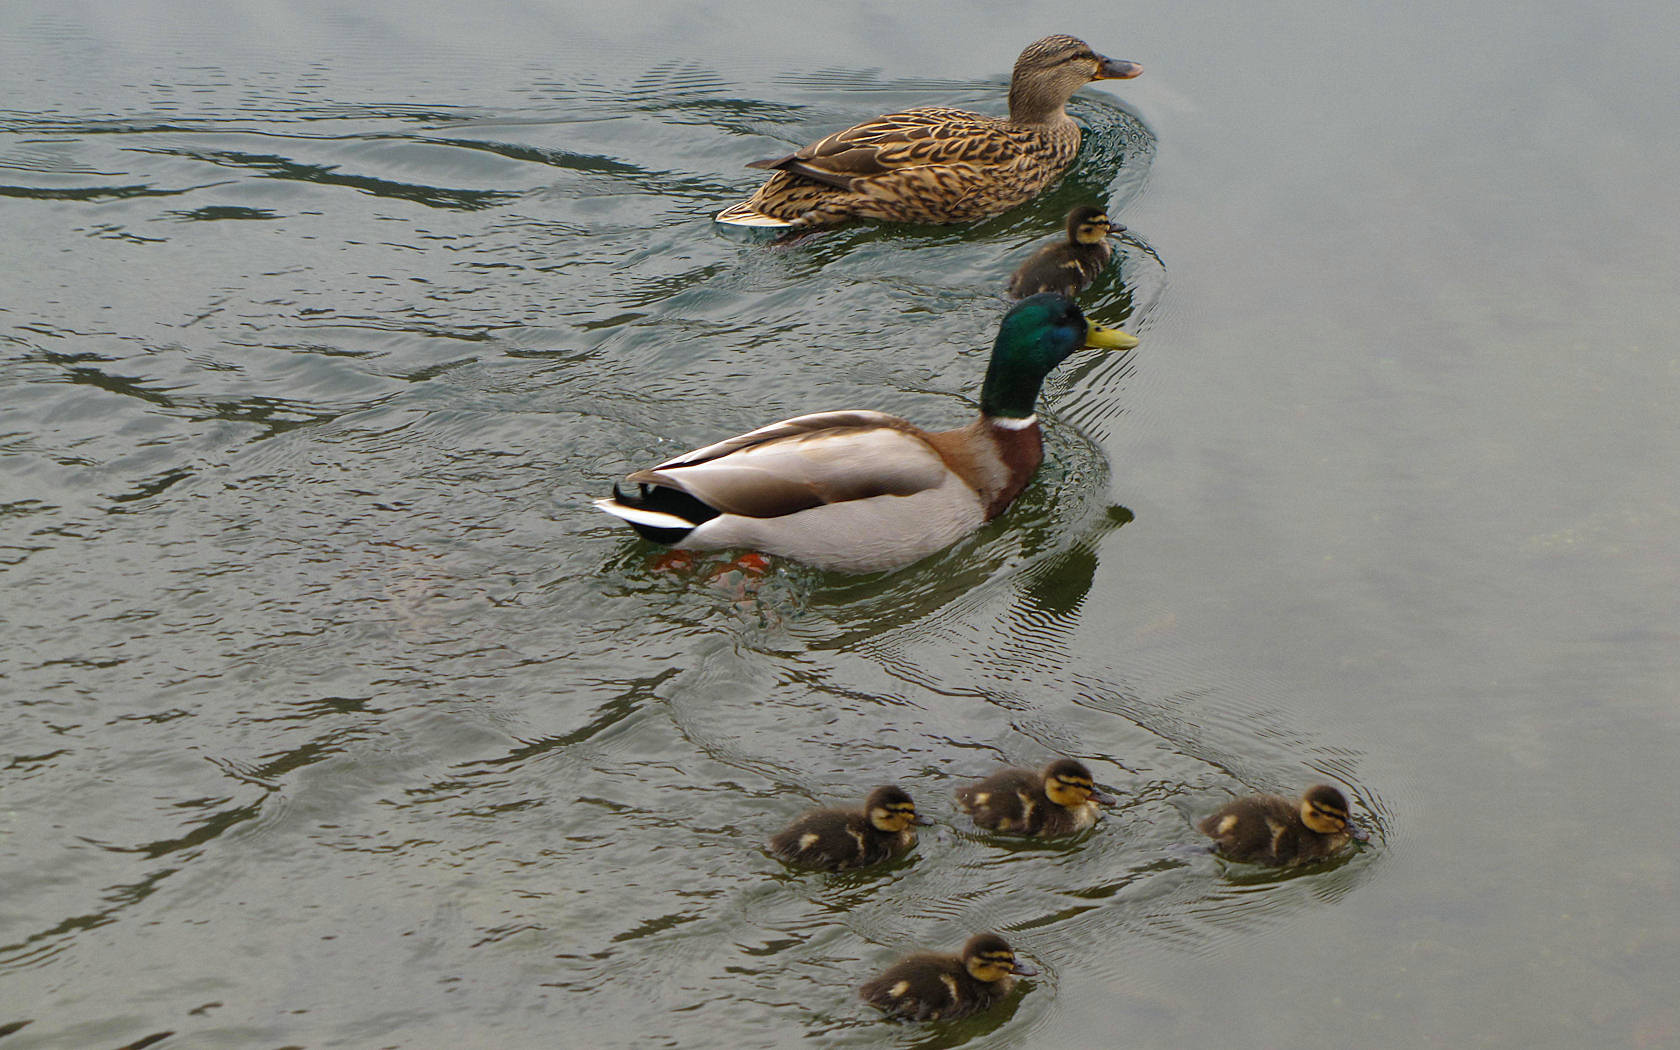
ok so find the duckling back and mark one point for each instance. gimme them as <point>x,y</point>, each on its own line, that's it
<point>1010,800</point>
<point>836,839</point>
<point>930,986</point>
<point>1062,267</point>
<point>1013,801</point>
<point>1020,801</point>
<point>1067,266</point>
<point>1267,829</point>
<point>833,840</point>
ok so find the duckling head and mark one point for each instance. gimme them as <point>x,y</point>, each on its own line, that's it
<point>891,809</point>
<point>988,957</point>
<point>1049,71</point>
<point>1037,334</point>
<point>1087,224</point>
<point>1324,809</point>
<point>1068,783</point>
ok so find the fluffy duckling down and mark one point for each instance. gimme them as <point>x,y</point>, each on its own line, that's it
<point>837,839</point>
<point>930,986</point>
<point>1069,266</point>
<point>1059,799</point>
<point>1282,832</point>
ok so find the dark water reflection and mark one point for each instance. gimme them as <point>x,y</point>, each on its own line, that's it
<point>337,717</point>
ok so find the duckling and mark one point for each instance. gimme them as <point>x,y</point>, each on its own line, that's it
<point>1059,799</point>
<point>835,839</point>
<point>1069,266</point>
<point>1279,831</point>
<point>935,164</point>
<point>860,491</point>
<point>930,985</point>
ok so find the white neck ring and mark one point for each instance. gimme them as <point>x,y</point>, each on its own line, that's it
<point>1015,424</point>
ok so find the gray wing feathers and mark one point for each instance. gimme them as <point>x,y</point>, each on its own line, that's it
<point>806,462</point>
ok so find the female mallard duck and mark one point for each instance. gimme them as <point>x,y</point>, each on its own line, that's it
<point>862,491</point>
<point>833,839</point>
<point>930,985</point>
<point>1057,800</point>
<point>1281,832</point>
<point>1068,266</point>
<point>935,164</point>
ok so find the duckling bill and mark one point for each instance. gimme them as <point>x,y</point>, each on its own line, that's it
<point>930,986</point>
<point>934,164</point>
<point>1282,832</point>
<point>1059,799</point>
<point>1069,266</point>
<point>862,491</point>
<point>837,839</point>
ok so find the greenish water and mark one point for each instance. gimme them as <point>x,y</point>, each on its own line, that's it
<point>334,717</point>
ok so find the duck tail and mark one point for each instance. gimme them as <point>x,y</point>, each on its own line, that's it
<point>744,214</point>
<point>661,514</point>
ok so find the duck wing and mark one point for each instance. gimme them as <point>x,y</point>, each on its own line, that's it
<point>806,462</point>
<point>916,138</point>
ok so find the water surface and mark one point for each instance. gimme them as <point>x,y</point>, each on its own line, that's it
<point>335,717</point>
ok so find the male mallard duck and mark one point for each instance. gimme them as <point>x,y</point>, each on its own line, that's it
<point>1279,831</point>
<point>832,839</point>
<point>934,164</point>
<point>1068,266</point>
<point>930,985</point>
<point>863,491</point>
<point>1059,799</point>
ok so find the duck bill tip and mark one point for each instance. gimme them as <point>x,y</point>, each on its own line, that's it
<point>1100,338</point>
<point>1117,69</point>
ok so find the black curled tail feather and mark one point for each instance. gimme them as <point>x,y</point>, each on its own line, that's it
<point>664,500</point>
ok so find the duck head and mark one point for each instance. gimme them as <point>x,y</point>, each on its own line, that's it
<point>1037,334</point>
<point>1088,224</point>
<point>891,810</point>
<point>1049,71</point>
<point>988,957</point>
<point>1324,809</point>
<point>1068,783</point>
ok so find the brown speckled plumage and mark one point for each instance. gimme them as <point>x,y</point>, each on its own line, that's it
<point>933,164</point>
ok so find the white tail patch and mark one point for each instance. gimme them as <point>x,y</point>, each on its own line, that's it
<point>653,518</point>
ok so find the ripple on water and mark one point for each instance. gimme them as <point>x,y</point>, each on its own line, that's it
<point>328,654</point>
